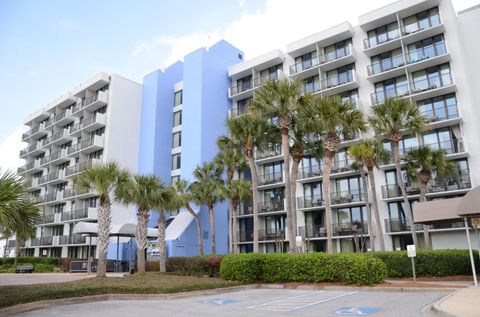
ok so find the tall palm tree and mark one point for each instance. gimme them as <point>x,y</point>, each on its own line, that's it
<point>26,219</point>
<point>389,120</point>
<point>142,191</point>
<point>231,159</point>
<point>422,163</point>
<point>205,191</point>
<point>164,202</point>
<point>236,191</point>
<point>183,198</point>
<point>281,100</point>
<point>250,132</point>
<point>371,153</point>
<point>104,178</point>
<point>331,118</point>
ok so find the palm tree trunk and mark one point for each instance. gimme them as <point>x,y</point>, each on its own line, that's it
<point>380,237</point>
<point>396,160</point>
<point>104,224</point>
<point>231,215</point>
<point>142,219</point>
<point>253,170</point>
<point>212,228</point>
<point>233,233</point>
<point>426,233</point>
<point>327,167</point>
<point>286,173</point>
<point>162,245</point>
<point>199,229</point>
<point>293,193</point>
<point>17,250</point>
<point>369,211</point>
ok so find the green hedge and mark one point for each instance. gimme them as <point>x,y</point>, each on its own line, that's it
<point>33,260</point>
<point>360,269</point>
<point>429,263</point>
<point>195,266</point>
<point>37,267</point>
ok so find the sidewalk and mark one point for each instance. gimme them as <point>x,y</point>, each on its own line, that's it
<point>464,302</point>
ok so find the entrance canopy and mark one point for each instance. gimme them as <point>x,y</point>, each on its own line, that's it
<point>121,230</point>
<point>437,211</point>
<point>470,203</point>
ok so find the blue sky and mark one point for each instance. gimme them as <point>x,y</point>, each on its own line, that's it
<point>49,46</point>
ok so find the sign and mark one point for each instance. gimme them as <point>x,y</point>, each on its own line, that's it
<point>357,311</point>
<point>299,241</point>
<point>475,222</point>
<point>219,301</point>
<point>411,252</point>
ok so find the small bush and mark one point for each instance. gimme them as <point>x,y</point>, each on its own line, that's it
<point>194,266</point>
<point>246,267</point>
<point>42,268</point>
<point>429,263</point>
<point>33,260</point>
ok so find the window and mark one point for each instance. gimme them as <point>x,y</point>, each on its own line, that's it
<point>96,155</point>
<point>350,96</point>
<point>57,231</point>
<point>274,195</point>
<point>341,161</point>
<point>244,84</point>
<point>439,108</point>
<point>394,87</point>
<point>269,74</point>
<point>420,21</point>
<point>306,61</point>
<point>311,167</point>
<point>273,171</point>
<point>340,75</point>
<point>59,208</point>
<point>347,190</point>
<point>178,98</point>
<point>91,202</point>
<point>98,132</point>
<point>432,78</point>
<point>386,61</point>
<point>313,191</point>
<point>383,34</point>
<point>173,179</point>
<point>449,140</point>
<point>177,139</point>
<point>63,166</point>
<point>337,50</point>
<point>177,118</point>
<point>311,84</point>
<point>176,161</point>
<point>427,48</point>
<point>242,107</point>
<point>101,110</point>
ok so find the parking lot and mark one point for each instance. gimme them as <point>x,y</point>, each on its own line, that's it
<point>261,302</point>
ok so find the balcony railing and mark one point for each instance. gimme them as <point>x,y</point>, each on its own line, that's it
<point>310,171</point>
<point>49,177</point>
<point>30,132</point>
<point>26,167</point>
<point>29,149</point>
<point>426,52</point>
<point>350,228</point>
<point>272,178</point>
<point>259,81</point>
<point>304,65</point>
<point>270,152</point>
<point>393,191</point>
<point>313,231</point>
<point>385,65</point>
<point>271,234</point>
<point>245,236</point>
<point>48,218</point>
<point>340,166</point>
<point>237,89</point>
<point>271,206</point>
<point>43,241</point>
<point>439,114</point>
<point>346,197</point>
<point>74,148</point>
<point>75,214</point>
<point>336,54</point>
<point>310,201</point>
<point>12,244</point>
<point>72,239</point>
<point>245,208</point>
<point>448,146</point>
<point>431,82</point>
<point>77,168</point>
<point>416,26</point>
<point>72,192</point>
<point>400,225</point>
<point>399,90</point>
<point>338,80</point>
<point>375,41</point>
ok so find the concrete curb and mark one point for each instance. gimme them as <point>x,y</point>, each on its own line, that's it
<point>21,308</point>
<point>437,309</point>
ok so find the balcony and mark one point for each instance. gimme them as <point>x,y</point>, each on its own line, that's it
<point>385,41</point>
<point>400,90</point>
<point>269,153</point>
<point>31,166</point>
<point>52,197</point>
<point>337,84</point>
<point>346,197</point>
<point>449,146</point>
<point>55,138</point>
<point>271,234</point>
<point>240,89</point>
<point>272,206</point>
<point>350,228</point>
<point>237,112</point>
<point>92,103</point>
<point>77,168</point>
<point>310,171</point>
<point>400,225</point>
<point>260,81</point>
<point>72,239</point>
<point>49,178</point>
<point>304,66</point>
<point>79,214</point>
<point>435,115</point>
<point>432,86</point>
<point>270,179</point>
<point>12,244</point>
<point>245,209</point>
<point>74,148</point>
<point>386,68</point>
<point>48,219</point>
<point>93,144</point>
<point>440,186</point>
<point>306,202</point>
<point>30,132</point>
<point>31,149</point>
<point>63,117</point>
<point>43,241</point>
<point>342,166</point>
<point>313,232</point>
<point>245,236</point>
<point>337,58</point>
<point>72,192</point>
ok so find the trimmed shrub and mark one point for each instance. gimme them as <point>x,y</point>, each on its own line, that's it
<point>360,269</point>
<point>33,260</point>
<point>195,266</point>
<point>37,267</point>
<point>429,263</point>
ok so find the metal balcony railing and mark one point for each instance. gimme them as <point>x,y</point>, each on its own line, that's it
<point>439,114</point>
<point>43,241</point>
<point>304,65</point>
<point>382,38</point>
<point>338,80</point>
<point>313,231</point>
<point>271,234</point>
<point>399,225</point>
<point>416,26</point>
<point>448,146</point>
<point>75,214</point>
<point>310,171</point>
<point>269,152</point>
<point>400,90</point>
<point>350,228</point>
<point>272,178</point>
<point>435,186</point>
<point>386,65</point>
<point>271,206</point>
<point>310,201</point>
<point>346,197</point>
<point>72,239</point>
<point>245,236</point>
<point>426,52</point>
<point>433,81</point>
<point>245,208</point>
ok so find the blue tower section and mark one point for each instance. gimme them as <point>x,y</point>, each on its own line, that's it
<point>204,111</point>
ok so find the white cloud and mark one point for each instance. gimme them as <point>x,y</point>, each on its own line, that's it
<point>10,147</point>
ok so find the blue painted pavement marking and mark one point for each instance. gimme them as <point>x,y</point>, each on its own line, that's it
<point>219,301</point>
<point>357,311</point>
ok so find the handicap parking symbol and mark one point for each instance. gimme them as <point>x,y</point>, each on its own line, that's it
<point>219,301</point>
<point>357,311</point>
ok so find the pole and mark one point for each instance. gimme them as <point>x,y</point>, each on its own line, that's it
<point>413,270</point>
<point>89,264</point>
<point>472,261</point>
<point>130,257</point>
<point>118,245</point>
<point>478,237</point>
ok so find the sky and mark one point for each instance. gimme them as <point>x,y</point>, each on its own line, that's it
<point>49,46</point>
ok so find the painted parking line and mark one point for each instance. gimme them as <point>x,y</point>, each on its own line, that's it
<point>301,301</point>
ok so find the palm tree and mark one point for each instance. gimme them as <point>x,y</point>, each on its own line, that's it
<point>183,197</point>
<point>142,191</point>
<point>205,191</point>
<point>104,178</point>
<point>389,120</point>
<point>421,164</point>
<point>164,202</point>
<point>281,99</point>
<point>330,118</point>
<point>370,153</point>
<point>236,191</point>
<point>250,132</point>
<point>232,159</point>
<point>26,219</point>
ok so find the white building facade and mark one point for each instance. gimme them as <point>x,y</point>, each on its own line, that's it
<point>420,50</point>
<point>97,121</point>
